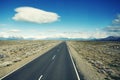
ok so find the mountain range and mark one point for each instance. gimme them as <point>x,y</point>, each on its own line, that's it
<point>109,38</point>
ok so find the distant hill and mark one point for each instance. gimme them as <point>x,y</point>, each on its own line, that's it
<point>110,38</point>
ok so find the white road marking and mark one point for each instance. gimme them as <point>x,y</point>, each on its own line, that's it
<point>40,77</point>
<point>53,57</point>
<point>74,64</point>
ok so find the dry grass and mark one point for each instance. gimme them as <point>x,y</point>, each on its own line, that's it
<point>14,54</point>
<point>103,56</point>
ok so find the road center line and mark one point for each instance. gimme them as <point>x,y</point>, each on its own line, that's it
<point>53,57</point>
<point>40,77</point>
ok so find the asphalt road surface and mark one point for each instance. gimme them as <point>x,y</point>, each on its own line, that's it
<point>55,64</point>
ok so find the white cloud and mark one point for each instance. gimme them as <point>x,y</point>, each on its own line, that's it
<point>117,20</point>
<point>43,35</point>
<point>4,34</point>
<point>14,30</point>
<point>114,28</point>
<point>85,35</point>
<point>77,35</point>
<point>8,33</point>
<point>30,14</point>
<point>99,34</point>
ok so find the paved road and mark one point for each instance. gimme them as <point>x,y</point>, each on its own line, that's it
<point>56,64</point>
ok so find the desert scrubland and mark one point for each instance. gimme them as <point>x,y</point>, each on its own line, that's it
<point>14,54</point>
<point>97,60</point>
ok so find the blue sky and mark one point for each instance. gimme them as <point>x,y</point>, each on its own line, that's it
<point>70,18</point>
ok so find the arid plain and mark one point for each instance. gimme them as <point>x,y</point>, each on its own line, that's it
<point>95,60</point>
<point>14,54</point>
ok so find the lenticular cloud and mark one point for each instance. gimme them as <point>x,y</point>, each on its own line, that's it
<point>30,14</point>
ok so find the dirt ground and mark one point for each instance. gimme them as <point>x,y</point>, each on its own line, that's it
<point>97,60</point>
<point>15,54</point>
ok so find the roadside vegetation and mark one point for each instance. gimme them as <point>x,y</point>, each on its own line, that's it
<point>103,56</point>
<point>16,53</point>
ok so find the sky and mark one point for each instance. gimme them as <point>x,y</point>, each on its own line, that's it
<point>41,19</point>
